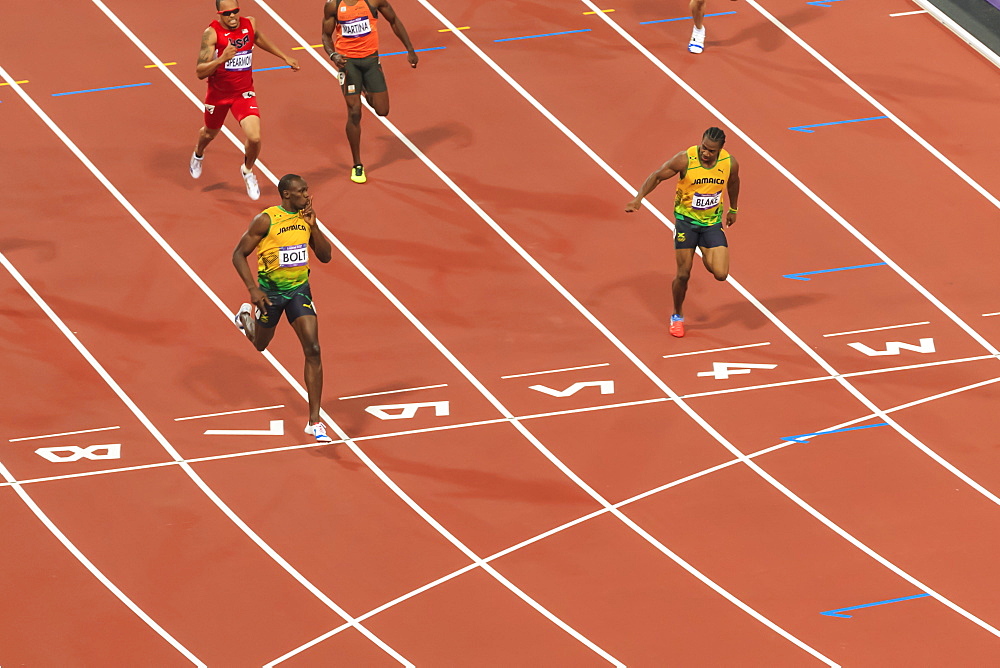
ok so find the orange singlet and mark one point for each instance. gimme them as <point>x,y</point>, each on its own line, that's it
<point>357,30</point>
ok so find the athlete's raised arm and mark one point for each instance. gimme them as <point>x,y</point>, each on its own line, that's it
<point>397,27</point>
<point>270,47</point>
<point>317,240</point>
<point>676,165</point>
<point>206,64</point>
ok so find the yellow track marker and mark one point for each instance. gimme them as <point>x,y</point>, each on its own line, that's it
<point>164,64</point>
<point>17,82</point>
<point>302,48</point>
<point>606,11</point>
<point>449,29</point>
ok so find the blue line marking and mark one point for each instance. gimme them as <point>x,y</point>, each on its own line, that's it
<point>801,438</point>
<point>548,34</point>
<point>822,3</point>
<point>835,613</point>
<point>801,275</point>
<point>279,67</point>
<point>804,128</point>
<point>400,53</point>
<point>96,90</point>
<point>682,18</point>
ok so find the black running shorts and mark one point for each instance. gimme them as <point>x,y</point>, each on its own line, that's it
<point>690,235</point>
<point>293,303</point>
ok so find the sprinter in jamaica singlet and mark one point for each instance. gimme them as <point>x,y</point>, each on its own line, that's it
<point>283,236</point>
<point>706,171</point>
<point>350,37</point>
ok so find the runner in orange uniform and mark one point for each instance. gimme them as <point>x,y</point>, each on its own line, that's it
<point>350,37</point>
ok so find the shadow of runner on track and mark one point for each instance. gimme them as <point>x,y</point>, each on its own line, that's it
<point>459,135</point>
<point>768,36</point>
<point>745,313</point>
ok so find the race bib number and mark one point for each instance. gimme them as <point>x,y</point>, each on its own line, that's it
<point>358,27</point>
<point>293,256</point>
<point>241,61</point>
<point>701,201</point>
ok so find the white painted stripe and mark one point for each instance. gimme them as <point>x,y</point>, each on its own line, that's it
<point>639,364</point>
<point>479,423</point>
<point>405,389</point>
<point>806,348</point>
<point>621,504</point>
<point>245,410</point>
<point>23,283</point>
<point>580,308</point>
<point>294,383</point>
<point>879,329</point>
<point>117,389</point>
<point>717,350</point>
<point>80,556</point>
<point>961,32</point>
<point>569,368</point>
<point>65,433</point>
<point>987,315</point>
<point>919,11</point>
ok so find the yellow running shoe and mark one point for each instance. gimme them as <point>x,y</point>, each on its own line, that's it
<point>358,174</point>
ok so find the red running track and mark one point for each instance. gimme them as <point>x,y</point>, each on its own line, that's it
<point>620,523</point>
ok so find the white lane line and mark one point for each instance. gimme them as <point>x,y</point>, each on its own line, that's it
<point>244,410</point>
<point>146,422</point>
<point>807,349</point>
<point>65,433</point>
<point>652,540</point>
<point>23,283</point>
<point>959,31</point>
<point>987,315</point>
<point>405,389</point>
<point>879,329</point>
<point>919,11</point>
<point>916,137</point>
<point>717,350</point>
<point>603,511</point>
<point>656,380</point>
<point>82,558</point>
<point>569,368</point>
<point>819,202</point>
<point>396,489</point>
<point>479,423</point>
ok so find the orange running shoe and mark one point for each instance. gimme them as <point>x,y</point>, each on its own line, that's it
<point>676,326</point>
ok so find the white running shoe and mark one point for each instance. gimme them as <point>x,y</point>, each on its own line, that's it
<point>195,165</point>
<point>318,430</point>
<point>253,190</point>
<point>697,43</point>
<point>244,308</point>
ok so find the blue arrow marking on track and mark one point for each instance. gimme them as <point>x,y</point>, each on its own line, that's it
<point>97,90</point>
<point>805,128</point>
<point>682,18</point>
<point>801,438</point>
<point>836,613</point>
<point>548,34</point>
<point>822,3</point>
<point>801,275</point>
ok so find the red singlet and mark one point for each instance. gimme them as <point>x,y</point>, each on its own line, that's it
<point>233,77</point>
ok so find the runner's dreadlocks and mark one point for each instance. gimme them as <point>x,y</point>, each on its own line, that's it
<point>715,134</point>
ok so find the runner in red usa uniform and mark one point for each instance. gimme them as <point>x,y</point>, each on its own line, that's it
<point>226,60</point>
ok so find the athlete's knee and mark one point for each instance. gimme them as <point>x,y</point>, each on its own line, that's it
<point>354,115</point>
<point>682,275</point>
<point>720,274</point>
<point>312,351</point>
